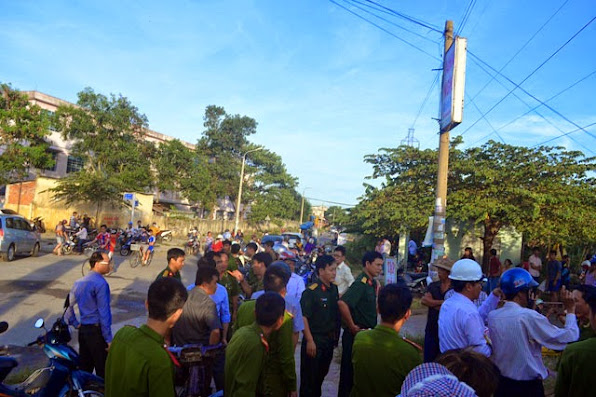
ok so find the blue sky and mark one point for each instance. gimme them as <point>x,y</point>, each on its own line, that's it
<point>325,87</point>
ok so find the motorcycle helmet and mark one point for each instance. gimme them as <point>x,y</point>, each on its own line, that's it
<point>285,254</point>
<point>59,334</point>
<point>516,280</point>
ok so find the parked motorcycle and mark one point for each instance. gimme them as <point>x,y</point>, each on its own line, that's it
<point>415,281</point>
<point>195,362</point>
<point>62,376</point>
<point>125,247</point>
<point>164,235</point>
<point>192,245</point>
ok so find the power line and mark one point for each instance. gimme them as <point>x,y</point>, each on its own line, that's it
<point>408,18</point>
<point>354,2</point>
<point>523,46</point>
<point>385,30</point>
<point>432,86</point>
<point>328,201</point>
<point>466,16</point>
<point>565,134</point>
<point>516,85</point>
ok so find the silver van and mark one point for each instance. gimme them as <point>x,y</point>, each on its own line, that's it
<point>17,237</point>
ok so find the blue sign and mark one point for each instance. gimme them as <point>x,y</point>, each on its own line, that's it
<point>128,196</point>
<point>136,203</point>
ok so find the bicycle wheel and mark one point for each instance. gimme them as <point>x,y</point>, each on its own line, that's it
<point>88,251</point>
<point>149,259</point>
<point>125,250</point>
<point>136,259</point>
<point>85,268</point>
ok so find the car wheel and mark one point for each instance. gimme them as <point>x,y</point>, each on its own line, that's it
<point>10,253</point>
<point>35,251</point>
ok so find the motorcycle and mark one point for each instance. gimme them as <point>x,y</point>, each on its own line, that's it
<point>416,281</point>
<point>62,377</point>
<point>196,361</point>
<point>164,235</point>
<point>125,247</point>
<point>39,225</point>
<point>70,242</point>
<point>192,245</point>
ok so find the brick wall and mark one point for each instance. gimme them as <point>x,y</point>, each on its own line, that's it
<point>26,190</point>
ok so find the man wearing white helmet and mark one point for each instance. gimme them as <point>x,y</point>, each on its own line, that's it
<point>461,324</point>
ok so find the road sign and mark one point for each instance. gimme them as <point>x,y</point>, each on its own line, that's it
<point>129,196</point>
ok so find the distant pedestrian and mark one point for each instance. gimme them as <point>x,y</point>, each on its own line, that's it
<point>535,264</point>
<point>468,254</point>
<point>358,310</point>
<point>553,275</point>
<point>495,268</point>
<point>344,277</point>
<point>138,365</point>
<point>91,294</point>
<point>60,237</point>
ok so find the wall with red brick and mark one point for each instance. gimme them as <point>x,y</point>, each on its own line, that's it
<point>25,189</point>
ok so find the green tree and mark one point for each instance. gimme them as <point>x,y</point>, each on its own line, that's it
<point>337,215</point>
<point>544,192</point>
<point>23,129</point>
<point>108,136</point>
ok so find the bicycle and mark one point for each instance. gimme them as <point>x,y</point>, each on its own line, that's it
<point>137,258</point>
<point>194,377</point>
<point>86,268</point>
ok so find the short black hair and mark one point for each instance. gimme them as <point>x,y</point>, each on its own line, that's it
<point>394,302</point>
<point>459,285</point>
<point>97,256</point>
<point>211,255</point>
<point>205,275</point>
<point>253,246</point>
<point>590,298</point>
<point>493,251</point>
<point>227,242</point>
<point>474,369</point>
<point>206,262</point>
<point>586,290</point>
<point>263,257</point>
<point>276,279</point>
<point>165,296</point>
<point>341,248</point>
<point>235,248</point>
<point>106,226</point>
<point>269,308</point>
<point>269,243</point>
<point>370,256</point>
<point>175,253</point>
<point>552,252</point>
<point>323,261</point>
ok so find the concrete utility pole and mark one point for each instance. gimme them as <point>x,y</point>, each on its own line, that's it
<point>302,206</point>
<point>441,197</point>
<point>240,188</point>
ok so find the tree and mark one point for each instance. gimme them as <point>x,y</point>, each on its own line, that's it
<point>336,215</point>
<point>107,135</point>
<point>23,129</point>
<point>181,169</point>
<point>544,192</point>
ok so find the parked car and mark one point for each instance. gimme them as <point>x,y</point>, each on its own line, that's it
<point>271,237</point>
<point>293,238</point>
<point>17,237</point>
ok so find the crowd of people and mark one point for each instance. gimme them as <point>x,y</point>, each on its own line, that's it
<point>252,302</point>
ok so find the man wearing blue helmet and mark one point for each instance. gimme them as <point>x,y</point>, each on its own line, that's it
<point>518,334</point>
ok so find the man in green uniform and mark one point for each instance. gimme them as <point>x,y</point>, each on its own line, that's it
<point>231,285</point>
<point>582,310</point>
<point>248,350</point>
<point>578,363</point>
<point>381,358</point>
<point>321,327</point>
<point>358,309</point>
<point>279,373</point>
<point>176,258</point>
<point>254,280</point>
<point>138,363</point>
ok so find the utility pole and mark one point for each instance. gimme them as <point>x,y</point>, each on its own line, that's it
<point>237,217</point>
<point>302,206</point>
<point>441,197</point>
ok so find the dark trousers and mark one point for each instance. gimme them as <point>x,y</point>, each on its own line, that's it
<point>92,349</point>
<point>218,370</point>
<point>346,374</point>
<point>314,369</point>
<point>431,345</point>
<point>519,388</point>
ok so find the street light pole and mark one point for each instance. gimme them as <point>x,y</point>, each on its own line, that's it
<point>302,206</point>
<point>240,188</point>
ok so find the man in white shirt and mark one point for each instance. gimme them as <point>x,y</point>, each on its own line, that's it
<point>535,264</point>
<point>294,291</point>
<point>518,334</point>
<point>386,248</point>
<point>344,277</point>
<point>461,324</point>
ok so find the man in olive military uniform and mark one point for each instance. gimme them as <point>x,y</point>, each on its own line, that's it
<point>358,309</point>
<point>137,364</point>
<point>321,327</point>
<point>279,373</point>
<point>248,350</point>
<point>380,357</point>
<point>175,258</point>
<point>254,280</point>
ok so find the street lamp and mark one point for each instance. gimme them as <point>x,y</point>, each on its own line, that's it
<point>240,188</point>
<point>302,206</point>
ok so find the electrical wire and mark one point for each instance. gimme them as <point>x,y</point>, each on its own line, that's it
<point>466,16</point>
<point>523,46</point>
<point>518,85</point>
<point>354,2</point>
<point>432,86</point>
<point>328,201</point>
<point>386,31</point>
<point>565,134</point>
<point>408,18</point>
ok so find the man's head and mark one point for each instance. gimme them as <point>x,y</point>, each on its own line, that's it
<point>227,246</point>
<point>220,264</point>
<point>260,262</point>
<point>443,266</point>
<point>339,254</point>
<point>566,260</point>
<point>326,268</point>
<point>176,258</point>
<point>468,252</point>
<point>493,252</point>
<point>139,223</point>
<point>251,249</point>
<point>472,368</point>
<point>269,310</point>
<point>394,303</point>
<point>235,250</point>
<point>206,279</point>
<point>103,228</point>
<point>582,309</point>
<point>466,278</point>
<point>276,278</point>
<point>552,255</point>
<point>516,284</point>
<point>372,262</point>
<point>165,300</point>
<point>269,246</point>
<point>536,251</point>
<point>100,262</point>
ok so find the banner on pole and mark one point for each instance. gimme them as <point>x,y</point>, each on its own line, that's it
<point>453,85</point>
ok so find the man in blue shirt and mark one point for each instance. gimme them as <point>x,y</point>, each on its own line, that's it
<point>92,295</point>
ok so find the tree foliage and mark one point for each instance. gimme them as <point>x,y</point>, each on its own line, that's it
<point>23,127</point>
<point>546,193</point>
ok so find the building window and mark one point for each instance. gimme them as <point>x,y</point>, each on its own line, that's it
<point>55,159</point>
<point>74,164</point>
<point>50,115</point>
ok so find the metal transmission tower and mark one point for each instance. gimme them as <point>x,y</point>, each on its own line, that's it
<point>410,140</point>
